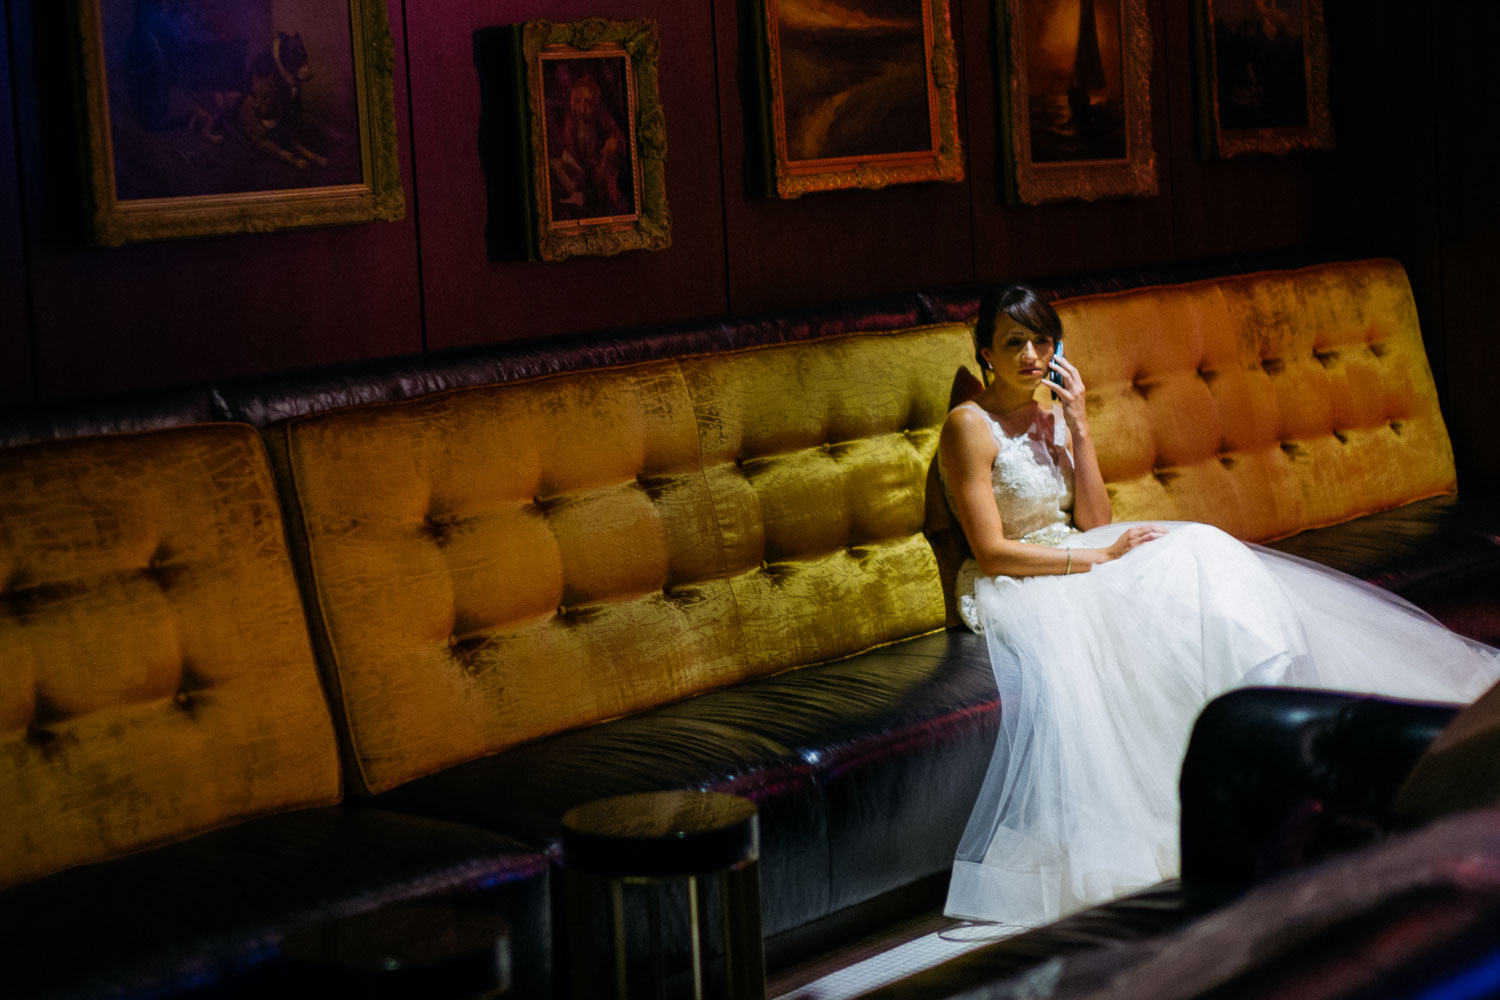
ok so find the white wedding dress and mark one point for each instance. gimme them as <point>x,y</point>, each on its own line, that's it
<point>1101,675</point>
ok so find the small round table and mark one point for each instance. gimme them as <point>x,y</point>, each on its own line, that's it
<point>622,855</point>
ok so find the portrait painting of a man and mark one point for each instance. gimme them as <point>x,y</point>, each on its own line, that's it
<point>590,166</point>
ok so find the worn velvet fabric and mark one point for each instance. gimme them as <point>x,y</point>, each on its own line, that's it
<point>1263,404</point>
<point>492,565</point>
<point>156,679</point>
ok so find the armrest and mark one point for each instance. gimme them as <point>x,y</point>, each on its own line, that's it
<point>1275,778</point>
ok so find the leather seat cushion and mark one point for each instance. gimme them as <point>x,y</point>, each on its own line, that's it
<point>208,914</point>
<point>1442,554</point>
<point>864,769</point>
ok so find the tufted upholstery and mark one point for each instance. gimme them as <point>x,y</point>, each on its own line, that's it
<point>1264,403</point>
<point>817,460</point>
<point>155,675</point>
<point>495,564</point>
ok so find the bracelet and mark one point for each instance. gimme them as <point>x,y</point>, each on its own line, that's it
<point>1069,567</point>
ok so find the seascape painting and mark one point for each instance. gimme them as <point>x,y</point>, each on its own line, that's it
<point>218,97</point>
<point>1077,110</point>
<point>1261,62</point>
<point>854,78</point>
<point>1076,98</point>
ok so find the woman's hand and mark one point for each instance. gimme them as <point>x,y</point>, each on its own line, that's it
<point>1071,394</point>
<point>1136,534</point>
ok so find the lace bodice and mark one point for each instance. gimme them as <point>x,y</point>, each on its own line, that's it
<point>1033,482</point>
<point>1032,476</point>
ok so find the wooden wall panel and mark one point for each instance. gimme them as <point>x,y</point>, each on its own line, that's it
<point>1468,146</point>
<point>1244,204</point>
<point>1410,180</point>
<point>829,246</point>
<point>169,313</point>
<point>471,298</point>
<point>16,388</point>
<point>1024,241</point>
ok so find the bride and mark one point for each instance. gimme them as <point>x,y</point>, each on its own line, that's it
<point>1107,639</point>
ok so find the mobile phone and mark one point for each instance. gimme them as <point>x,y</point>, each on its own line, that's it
<point>1055,377</point>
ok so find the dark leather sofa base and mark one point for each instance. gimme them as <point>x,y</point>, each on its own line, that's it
<point>864,770</point>
<point>1442,554</point>
<point>205,917</point>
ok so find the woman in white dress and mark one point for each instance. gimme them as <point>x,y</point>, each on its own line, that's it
<point>1108,639</point>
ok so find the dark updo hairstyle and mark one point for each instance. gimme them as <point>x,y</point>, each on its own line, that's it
<point>1023,305</point>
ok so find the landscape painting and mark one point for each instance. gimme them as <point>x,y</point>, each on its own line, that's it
<point>862,93</point>
<point>1077,108</point>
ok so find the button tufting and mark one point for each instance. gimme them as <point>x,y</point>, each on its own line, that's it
<point>1396,426</point>
<point>1342,436</point>
<point>562,611</point>
<point>183,699</point>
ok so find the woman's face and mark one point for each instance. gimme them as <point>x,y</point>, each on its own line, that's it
<point>1018,355</point>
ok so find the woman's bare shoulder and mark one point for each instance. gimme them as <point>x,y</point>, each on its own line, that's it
<point>964,415</point>
<point>967,430</point>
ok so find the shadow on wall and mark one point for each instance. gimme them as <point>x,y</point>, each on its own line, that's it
<point>501,139</point>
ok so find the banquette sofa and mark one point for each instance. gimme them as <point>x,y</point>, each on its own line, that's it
<point>281,652</point>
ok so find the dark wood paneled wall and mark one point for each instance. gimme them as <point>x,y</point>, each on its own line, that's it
<point>16,382</point>
<point>1464,177</point>
<point>145,316</point>
<point>1411,101</point>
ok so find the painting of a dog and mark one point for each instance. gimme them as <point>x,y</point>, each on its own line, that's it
<point>187,75</point>
<point>270,111</point>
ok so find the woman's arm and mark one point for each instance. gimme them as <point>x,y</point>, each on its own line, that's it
<point>968,453</point>
<point>1090,499</point>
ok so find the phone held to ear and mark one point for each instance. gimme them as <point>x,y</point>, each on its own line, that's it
<point>1054,376</point>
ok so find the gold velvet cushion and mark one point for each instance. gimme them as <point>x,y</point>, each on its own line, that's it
<point>155,674</point>
<point>1262,403</point>
<point>495,564</point>
<point>818,459</point>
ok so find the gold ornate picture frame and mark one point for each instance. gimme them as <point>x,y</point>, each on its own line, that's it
<point>1076,99</point>
<point>596,137</point>
<point>859,94</point>
<point>206,117</point>
<point>1262,72</point>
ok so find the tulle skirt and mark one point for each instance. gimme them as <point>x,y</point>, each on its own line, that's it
<point>1102,674</point>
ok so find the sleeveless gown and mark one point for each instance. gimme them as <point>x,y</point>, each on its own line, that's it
<point>1101,675</point>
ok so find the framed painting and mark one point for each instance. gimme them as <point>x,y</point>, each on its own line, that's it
<point>1076,101</point>
<point>229,116</point>
<point>1262,76</point>
<point>859,94</point>
<point>596,138</point>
